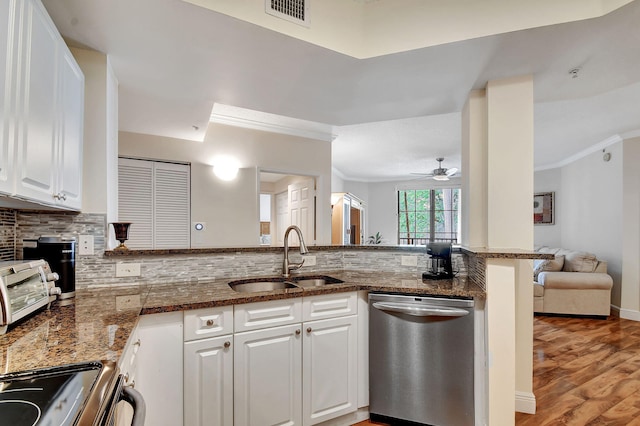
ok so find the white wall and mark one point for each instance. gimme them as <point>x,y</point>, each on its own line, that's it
<point>589,215</point>
<point>549,181</point>
<point>215,202</point>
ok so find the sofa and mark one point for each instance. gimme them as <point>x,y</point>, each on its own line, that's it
<point>573,282</point>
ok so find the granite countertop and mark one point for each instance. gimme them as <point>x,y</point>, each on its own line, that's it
<point>97,324</point>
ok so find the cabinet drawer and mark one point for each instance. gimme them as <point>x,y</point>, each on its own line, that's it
<point>254,316</point>
<point>329,306</point>
<point>208,322</point>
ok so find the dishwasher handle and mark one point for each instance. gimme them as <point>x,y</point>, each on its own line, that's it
<point>420,310</point>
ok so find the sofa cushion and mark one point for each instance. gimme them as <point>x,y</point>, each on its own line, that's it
<point>551,265</point>
<point>548,250</point>
<point>580,261</point>
<point>538,290</point>
<point>575,281</point>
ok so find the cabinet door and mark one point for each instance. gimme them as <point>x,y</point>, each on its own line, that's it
<point>37,105</point>
<point>267,377</point>
<point>159,373</point>
<point>208,382</point>
<point>128,363</point>
<point>69,170</point>
<point>7,93</point>
<point>330,369</point>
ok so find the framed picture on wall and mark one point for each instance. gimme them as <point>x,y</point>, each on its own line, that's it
<point>543,208</point>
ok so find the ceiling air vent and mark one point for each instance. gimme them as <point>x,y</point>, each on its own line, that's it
<point>292,10</point>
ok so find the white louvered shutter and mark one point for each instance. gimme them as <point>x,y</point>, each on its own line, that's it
<point>172,206</point>
<point>155,197</point>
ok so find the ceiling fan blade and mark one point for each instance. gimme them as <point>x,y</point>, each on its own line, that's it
<point>422,174</point>
<point>452,171</point>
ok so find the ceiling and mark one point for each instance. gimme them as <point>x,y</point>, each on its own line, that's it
<point>391,114</point>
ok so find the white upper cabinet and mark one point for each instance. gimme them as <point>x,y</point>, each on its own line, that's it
<point>37,109</point>
<point>71,82</point>
<point>7,96</point>
<point>45,113</point>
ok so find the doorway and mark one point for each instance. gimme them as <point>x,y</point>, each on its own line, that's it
<point>292,202</point>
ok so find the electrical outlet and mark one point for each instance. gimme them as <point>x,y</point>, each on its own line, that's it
<point>131,301</point>
<point>309,260</point>
<point>85,245</point>
<point>409,261</point>
<point>127,270</point>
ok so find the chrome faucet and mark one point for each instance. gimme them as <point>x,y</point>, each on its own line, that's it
<point>286,266</point>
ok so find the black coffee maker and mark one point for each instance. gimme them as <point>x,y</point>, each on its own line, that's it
<point>60,254</point>
<point>440,261</point>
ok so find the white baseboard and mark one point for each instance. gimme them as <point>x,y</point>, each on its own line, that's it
<point>525,402</point>
<point>629,314</point>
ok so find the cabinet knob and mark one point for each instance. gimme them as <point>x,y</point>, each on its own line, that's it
<point>298,332</point>
<point>137,343</point>
<point>210,322</point>
<point>309,330</point>
<point>227,344</point>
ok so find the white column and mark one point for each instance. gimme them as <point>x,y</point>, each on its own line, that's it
<point>630,291</point>
<point>497,153</point>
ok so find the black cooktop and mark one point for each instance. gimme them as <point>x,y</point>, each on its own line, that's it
<point>51,396</point>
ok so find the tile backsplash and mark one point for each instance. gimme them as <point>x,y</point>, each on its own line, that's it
<point>7,234</point>
<point>99,270</point>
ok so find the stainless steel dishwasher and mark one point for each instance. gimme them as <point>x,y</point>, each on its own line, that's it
<point>421,358</point>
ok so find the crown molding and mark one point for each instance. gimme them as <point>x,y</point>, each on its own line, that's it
<point>266,122</point>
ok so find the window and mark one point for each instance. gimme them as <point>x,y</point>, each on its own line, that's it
<point>155,197</point>
<point>428,215</point>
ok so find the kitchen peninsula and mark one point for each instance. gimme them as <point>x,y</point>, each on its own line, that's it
<point>104,317</point>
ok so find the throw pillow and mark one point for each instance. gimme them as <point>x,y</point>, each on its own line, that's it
<point>551,265</point>
<point>580,261</point>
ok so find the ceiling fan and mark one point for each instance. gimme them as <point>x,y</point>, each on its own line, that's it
<point>440,173</point>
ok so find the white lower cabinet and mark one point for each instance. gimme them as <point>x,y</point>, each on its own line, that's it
<point>208,386</point>
<point>329,354</point>
<point>159,371</point>
<point>289,362</point>
<point>268,377</point>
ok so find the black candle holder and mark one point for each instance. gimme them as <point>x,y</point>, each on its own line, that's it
<point>121,230</point>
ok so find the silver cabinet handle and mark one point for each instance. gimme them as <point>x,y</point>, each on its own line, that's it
<point>420,310</point>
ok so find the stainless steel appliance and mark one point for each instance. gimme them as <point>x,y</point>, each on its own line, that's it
<point>60,254</point>
<point>83,394</point>
<point>421,359</point>
<point>25,287</point>
<point>441,265</point>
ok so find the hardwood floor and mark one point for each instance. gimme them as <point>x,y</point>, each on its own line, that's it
<point>585,372</point>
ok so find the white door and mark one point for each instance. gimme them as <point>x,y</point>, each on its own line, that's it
<point>330,375</point>
<point>208,382</point>
<point>38,106</point>
<point>282,218</point>
<point>302,209</point>
<point>268,377</point>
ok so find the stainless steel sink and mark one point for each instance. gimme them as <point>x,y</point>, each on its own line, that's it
<point>251,286</point>
<point>316,281</point>
<point>256,285</point>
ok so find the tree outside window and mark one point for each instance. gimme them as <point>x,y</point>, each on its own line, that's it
<point>428,215</point>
